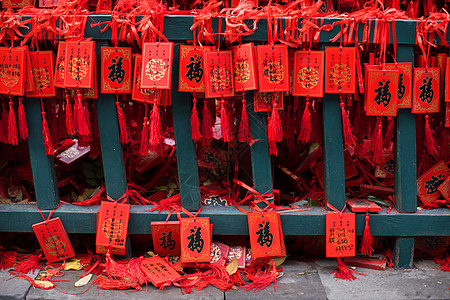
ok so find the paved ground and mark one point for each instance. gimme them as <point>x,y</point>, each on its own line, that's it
<point>300,281</point>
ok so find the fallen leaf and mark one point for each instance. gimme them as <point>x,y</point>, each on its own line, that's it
<point>149,254</point>
<point>84,280</point>
<point>72,264</point>
<point>44,284</point>
<point>232,266</point>
<point>193,277</point>
<point>302,273</point>
<point>279,260</point>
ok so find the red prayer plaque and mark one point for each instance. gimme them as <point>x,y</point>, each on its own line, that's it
<point>447,81</point>
<point>308,73</point>
<point>444,189</point>
<point>429,182</point>
<point>219,253</point>
<point>60,64</point>
<point>219,74</point>
<point>425,90</point>
<point>340,234</point>
<point>273,68</point>
<point>264,101</point>
<point>112,250</point>
<point>79,64</point>
<point>386,168</point>
<point>139,94</point>
<point>112,224</point>
<point>116,70</point>
<point>29,80</point>
<point>195,236</point>
<point>404,83</point>
<point>244,67</point>
<point>192,72</point>
<point>340,70</point>
<point>362,205</point>
<point>382,93</point>
<point>157,270</point>
<point>157,65</point>
<point>166,238</point>
<point>240,253</point>
<point>16,3</point>
<point>53,240</point>
<point>12,70</point>
<point>265,234</point>
<point>175,262</point>
<point>42,66</point>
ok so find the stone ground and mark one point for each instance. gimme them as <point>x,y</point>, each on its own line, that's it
<point>301,280</point>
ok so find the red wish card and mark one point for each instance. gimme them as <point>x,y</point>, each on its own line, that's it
<point>175,262</point>
<point>386,168</point>
<point>139,94</point>
<point>60,64</point>
<point>429,182</point>
<point>29,80</point>
<point>112,224</point>
<point>219,253</point>
<point>166,238</point>
<point>53,240</point>
<point>404,83</point>
<point>79,64</point>
<point>116,70</point>
<point>16,3</point>
<point>244,67</point>
<point>340,70</point>
<point>219,74</point>
<point>264,101</point>
<point>157,63</point>
<point>112,250</point>
<point>195,236</point>
<point>382,93</point>
<point>444,189</point>
<point>265,234</point>
<point>308,73</point>
<point>192,71</point>
<point>273,68</point>
<point>157,270</point>
<point>362,205</point>
<point>340,234</point>
<point>240,253</point>
<point>425,90</point>
<point>12,71</point>
<point>42,66</point>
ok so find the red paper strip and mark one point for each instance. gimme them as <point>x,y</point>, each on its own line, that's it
<point>266,238</point>
<point>192,71</point>
<point>157,270</point>
<point>404,83</point>
<point>42,67</point>
<point>308,73</point>
<point>340,234</point>
<point>195,235</point>
<point>244,68</point>
<point>382,93</point>
<point>12,71</point>
<point>112,224</point>
<point>219,74</point>
<point>53,240</point>
<point>264,101</point>
<point>429,182</point>
<point>166,238</point>
<point>116,70</point>
<point>273,68</point>
<point>340,70</point>
<point>79,64</point>
<point>426,90</point>
<point>60,64</point>
<point>157,60</point>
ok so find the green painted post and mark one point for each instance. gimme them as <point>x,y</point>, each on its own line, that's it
<point>404,252</point>
<point>261,164</point>
<point>185,146</point>
<point>42,165</point>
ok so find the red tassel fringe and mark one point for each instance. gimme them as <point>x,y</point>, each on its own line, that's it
<point>80,117</point>
<point>305,127</point>
<point>225,122</point>
<point>207,131</point>
<point>29,263</point>
<point>123,128</point>
<point>342,272</point>
<point>13,135</point>
<point>274,130</point>
<point>7,259</point>
<point>377,143</point>
<point>444,263</point>
<point>195,123</point>
<point>262,280</point>
<point>23,127</point>
<point>46,136</point>
<point>144,143</point>
<point>245,135</point>
<point>367,239</point>
<point>430,142</point>
<point>70,128</point>
<point>156,130</point>
<point>349,138</point>
<point>4,124</point>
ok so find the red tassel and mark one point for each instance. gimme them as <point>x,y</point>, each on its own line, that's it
<point>430,142</point>
<point>224,122</point>
<point>7,259</point>
<point>46,136</point>
<point>123,129</point>
<point>260,282</point>
<point>305,127</point>
<point>143,145</point>
<point>236,279</point>
<point>245,135</point>
<point>366,243</point>
<point>13,136</point>
<point>207,131</point>
<point>444,263</point>
<point>195,123</point>
<point>80,117</point>
<point>4,124</point>
<point>377,143</point>
<point>29,263</point>
<point>23,127</point>
<point>342,272</point>
<point>274,130</point>
<point>349,138</point>
<point>389,133</point>
<point>107,283</point>
<point>156,130</point>
<point>69,117</point>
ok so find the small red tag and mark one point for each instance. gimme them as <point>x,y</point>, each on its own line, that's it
<point>60,64</point>
<point>404,83</point>
<point>273,68</point>
<point>266,236</point>
<point>429,182</point>
<point>53,240</point>
<point>192,72</point>
<point>12,71</point>
<point>444,189</point>
<point>382,91</point>
<point>244,67</point>
<point>219,253</point>
<point>42,66</point>
<point>340,234</point>
<point>219,74</point>
<point>264,101</point>
<point>112,224</point>
<point>308,73</point>
<point>166,238</point>
<point>79,64</point>
<point>426,90</point>
<point>116,70</point>
<point>240,253</point>
<point>16,3</point>
<point>362,205</point>
<point>195,236</point>
<point>157,65</point>
<point>340,70</point>
<point>138,94</point>
<point>157,270</point>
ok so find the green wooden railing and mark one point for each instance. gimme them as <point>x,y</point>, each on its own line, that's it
<point>404,222</point>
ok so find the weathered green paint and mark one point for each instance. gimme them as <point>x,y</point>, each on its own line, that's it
<point>42,165</point>
<point>185,146</point>
<point>403,254</point>
<point>112,156</point>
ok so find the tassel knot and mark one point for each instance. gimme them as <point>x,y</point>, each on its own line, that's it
<point>366,243</point>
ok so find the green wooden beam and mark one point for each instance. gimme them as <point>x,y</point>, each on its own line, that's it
<point>404,253</point>
<point>42,165</point>
<point>185,146</point>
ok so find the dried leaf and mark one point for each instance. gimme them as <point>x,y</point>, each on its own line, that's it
<point>84,280</point>
<point>44,284</point>
<point>232,266</point>
<point>149,254</point>
<point>279,260</point>
<point>72,264</point>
